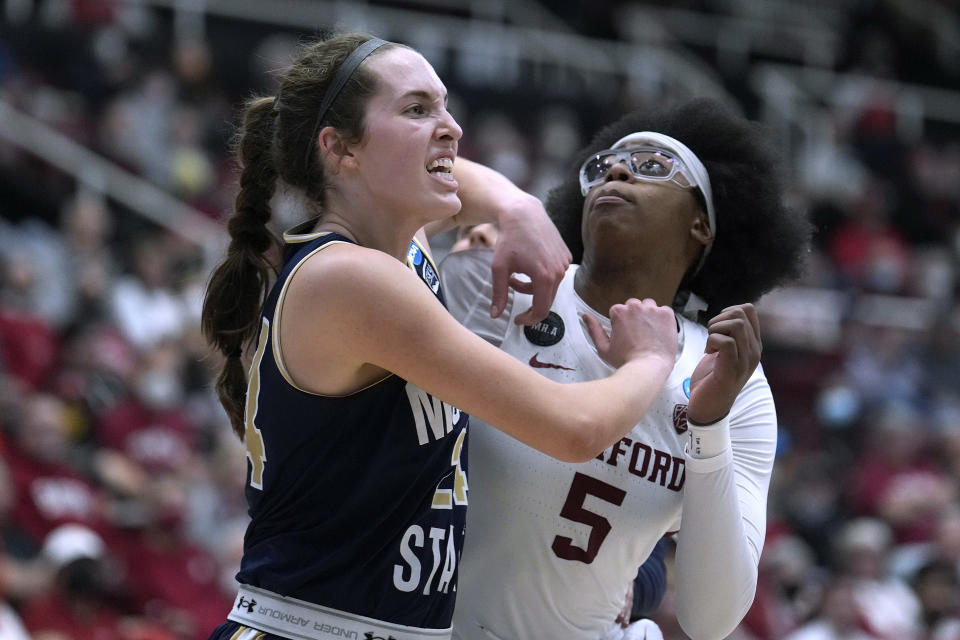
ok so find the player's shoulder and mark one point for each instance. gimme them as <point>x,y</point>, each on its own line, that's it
<point>348,266</point>
<point>343,282</point>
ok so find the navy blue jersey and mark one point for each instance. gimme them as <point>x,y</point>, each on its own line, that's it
<point>358,502</point>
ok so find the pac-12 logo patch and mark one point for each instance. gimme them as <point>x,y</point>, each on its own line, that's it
<point>547,332</point>
<point>680,417</point>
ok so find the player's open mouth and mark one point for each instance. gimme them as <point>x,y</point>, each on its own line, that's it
<point>442,168</point>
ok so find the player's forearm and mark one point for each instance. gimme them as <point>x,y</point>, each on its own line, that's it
<point>716,569</point>
<point>610,407</point>
<point>487,195</point>
<point>724,514</point>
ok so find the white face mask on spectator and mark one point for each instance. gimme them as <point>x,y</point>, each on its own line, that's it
<point>158,389</point>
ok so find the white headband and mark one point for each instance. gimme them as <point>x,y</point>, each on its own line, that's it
<point>699,178</point>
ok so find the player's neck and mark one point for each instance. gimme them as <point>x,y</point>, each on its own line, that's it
<point>369,230</point>
<point>602,284</point>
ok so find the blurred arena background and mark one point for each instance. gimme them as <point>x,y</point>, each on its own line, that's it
<point>115,178</point>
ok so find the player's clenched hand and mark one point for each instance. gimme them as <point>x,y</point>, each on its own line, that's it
<point>730,358</point>
<point>529,243</point>
<point>639,329</point>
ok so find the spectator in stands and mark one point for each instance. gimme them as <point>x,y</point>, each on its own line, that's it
<point>896,478</point>
<point>789,587</point>
<point>169,580</point>
<point>86,224</point>
<point>85,601</point>
<point>942,548</point>
<point>29,342</point>
<point>838,618</point>
<point>150,425</point>
<point>884,605</point>
<point>144,303</point>
<point>938,589</point>
<point>867,249</point>
<point>50,488</point>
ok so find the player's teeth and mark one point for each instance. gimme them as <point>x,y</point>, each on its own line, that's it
<point>444,164</point>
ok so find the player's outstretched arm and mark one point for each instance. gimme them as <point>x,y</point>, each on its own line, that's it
<point>364,308</point>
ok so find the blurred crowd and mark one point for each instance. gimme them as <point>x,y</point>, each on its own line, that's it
<point>121,483</point>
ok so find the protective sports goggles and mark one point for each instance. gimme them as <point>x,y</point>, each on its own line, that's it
<point>645,163</point>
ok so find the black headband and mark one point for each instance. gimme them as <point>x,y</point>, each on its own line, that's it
<point>344,72</point>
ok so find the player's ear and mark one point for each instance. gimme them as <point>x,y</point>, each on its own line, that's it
<point>334,150</point>
<point>700,230</point>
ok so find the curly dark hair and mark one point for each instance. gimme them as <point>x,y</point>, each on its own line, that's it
<point>760,242</point>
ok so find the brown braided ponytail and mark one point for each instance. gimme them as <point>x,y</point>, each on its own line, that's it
<point>239,284</point>
<point>277,139</point>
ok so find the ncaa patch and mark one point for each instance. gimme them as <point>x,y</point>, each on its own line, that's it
<point>680,417</point>
<point>414,255</point>
<point>686,388</point>
<point>547,332</point>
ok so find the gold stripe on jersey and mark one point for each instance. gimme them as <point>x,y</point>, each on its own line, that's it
<point>294,236</point>
<point>246,633</point>
<point>277,352</point>
<point>252,438</point>
<point>275,334</point>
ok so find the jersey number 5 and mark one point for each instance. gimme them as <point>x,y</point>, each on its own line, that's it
<point>580,488</point>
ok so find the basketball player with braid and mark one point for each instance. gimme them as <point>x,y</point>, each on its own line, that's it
<point>354,405</point>
<point>683,206</point>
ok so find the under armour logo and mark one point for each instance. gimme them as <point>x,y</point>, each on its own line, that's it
<point>369,636</point>
<point>249,604</point>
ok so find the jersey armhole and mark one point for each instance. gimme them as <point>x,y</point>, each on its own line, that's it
<point>275,334</point>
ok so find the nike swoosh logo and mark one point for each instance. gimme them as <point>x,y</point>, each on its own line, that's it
<point>536,364</point>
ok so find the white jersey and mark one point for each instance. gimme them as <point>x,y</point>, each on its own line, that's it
<point>551,546</point>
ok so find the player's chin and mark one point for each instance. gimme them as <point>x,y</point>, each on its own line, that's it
<point>447,205</point>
